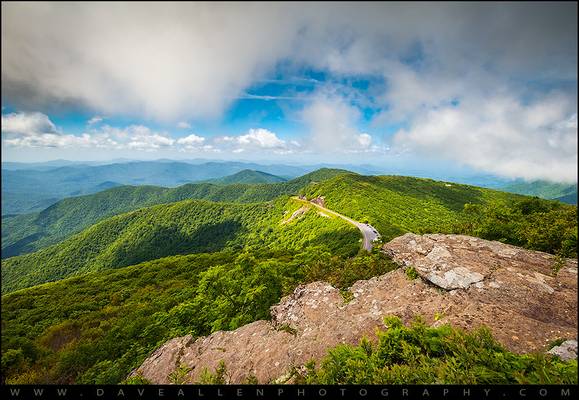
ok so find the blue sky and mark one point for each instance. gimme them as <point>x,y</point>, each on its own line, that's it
<point>427,86</point>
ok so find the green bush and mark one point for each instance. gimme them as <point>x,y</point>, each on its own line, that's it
<point>418,354</point>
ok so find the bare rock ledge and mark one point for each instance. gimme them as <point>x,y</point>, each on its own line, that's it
<point>468,281</point>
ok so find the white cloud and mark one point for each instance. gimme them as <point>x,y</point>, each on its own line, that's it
<point>110,69</point>
<point>191,140</point>
<point>364,140</point>
<point>142,138</point>
<point>54,140</point>
<point>26,130</point>
<point>332,124</point>
<point>36,130</point>
<point>27,124</point>
<point>501,135</point>
<point>194,143</point>
<point>183,125</point>
<point>95,120</point>
<point>257,140</point>
<point>492,55</point>
<point>261,138</point>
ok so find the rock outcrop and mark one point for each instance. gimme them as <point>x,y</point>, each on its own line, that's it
<point>528,299</point>
<point>566,350</point>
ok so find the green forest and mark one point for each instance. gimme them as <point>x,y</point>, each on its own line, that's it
<point>89,306</point>
<point>30,232</point>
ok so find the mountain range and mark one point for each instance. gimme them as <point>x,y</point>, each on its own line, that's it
<point>32,187</point>
<point>93,283</point>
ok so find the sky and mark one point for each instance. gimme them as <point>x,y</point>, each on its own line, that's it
<point>490,87</point>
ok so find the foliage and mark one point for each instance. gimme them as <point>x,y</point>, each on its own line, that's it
<point>132,281</point>
<point>396,205</point>
<point>419,354</point>
<point>411,273</point>
<point>529,222</point>
<point>179,376</point>
<point>248,176</point>
<point>31,232</point>
<point>136,380</point>
<point>216,378</point>
<point>342,273</point>
<point>97,327</point>
<point>192,226</point>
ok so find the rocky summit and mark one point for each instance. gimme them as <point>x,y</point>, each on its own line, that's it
<point>528,299</point>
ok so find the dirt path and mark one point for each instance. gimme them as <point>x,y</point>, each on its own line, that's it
<point>368,232</point>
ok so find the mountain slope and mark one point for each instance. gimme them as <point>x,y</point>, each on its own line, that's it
<point>190,226</point>
<point>564,192</point>
<point>34,189</point>
<point>248,176</point>
<point>113,319</point>
<point>31,232</point>
<point>570,198</point>
<point>511,281</point>
<point>399,204</point>
<point>396,205</point>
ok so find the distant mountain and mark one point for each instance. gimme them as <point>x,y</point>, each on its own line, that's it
<point>564,192</point>
<point>29,232</point>
<point>213,266</point>
<point>29,190</point>
<point>248,176</point>
<point>15,166</point>
<point>393,204</point>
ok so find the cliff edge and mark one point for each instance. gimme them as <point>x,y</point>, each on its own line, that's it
<point>528,299</point>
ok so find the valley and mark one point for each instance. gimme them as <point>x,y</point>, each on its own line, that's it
<point>274,197</point>
<point>141,264</point>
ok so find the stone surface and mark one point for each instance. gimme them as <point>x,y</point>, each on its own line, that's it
<point>464,281</point>
<point>566,350</point>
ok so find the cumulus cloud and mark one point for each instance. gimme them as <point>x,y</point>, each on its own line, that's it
<point>332,125</point>
<point>37,130</point>
<point>111,70</point>
<point>61,141</point>
<point>465,62</point>
<point>194,143</point>
<point>191,140</point>
<point>27,124</point>
<point>257,139</point>
<point>183,125</point>
<point>169,61</point>
<point>142,138</point>
<point>261,138</point>
<point>501,135</point>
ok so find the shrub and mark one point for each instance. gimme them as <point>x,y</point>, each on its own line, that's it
<point>418,354</point>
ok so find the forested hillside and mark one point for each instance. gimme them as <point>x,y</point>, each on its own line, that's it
<point>97,327</point>
<point>29,232</point>
<point>393,204</point>
<point>248,176</point>
<point>31,190</point>
<point>190,226</point>
<point>396,205</point>
<point>564,192</point>
<point>90,308</point>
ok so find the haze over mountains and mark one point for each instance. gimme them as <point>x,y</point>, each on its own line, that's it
<point>173,170</point>
<point>200,257</point>
<point>33,187</point>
